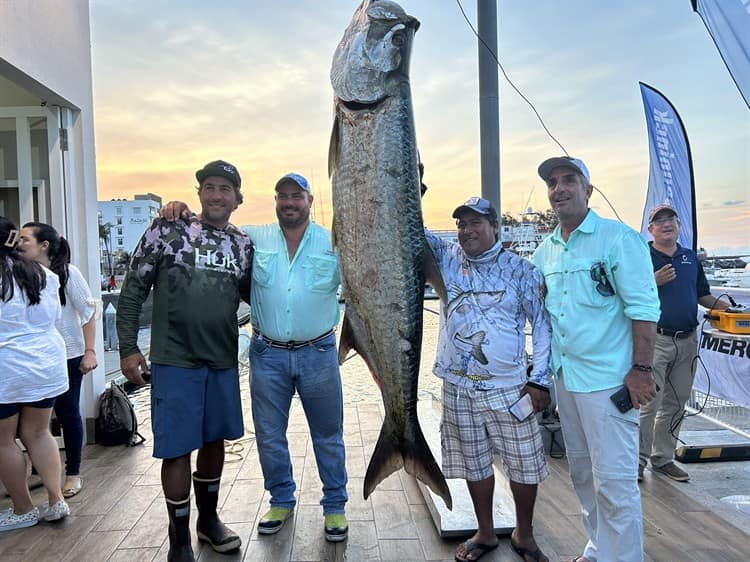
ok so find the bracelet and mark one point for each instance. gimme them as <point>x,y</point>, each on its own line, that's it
<point>642,368</point>
<point>90,349</point>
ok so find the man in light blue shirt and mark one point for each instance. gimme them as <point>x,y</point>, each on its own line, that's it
<point>294,311</point>
<point>603,305</point>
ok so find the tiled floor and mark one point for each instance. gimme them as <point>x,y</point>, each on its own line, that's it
<point>120,514</point>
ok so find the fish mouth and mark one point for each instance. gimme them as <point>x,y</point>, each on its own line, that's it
<point>359,106</point>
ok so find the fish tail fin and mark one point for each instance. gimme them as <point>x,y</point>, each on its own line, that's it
<point>386,458</point>
<point>420,463</point>
<point>414,455</point>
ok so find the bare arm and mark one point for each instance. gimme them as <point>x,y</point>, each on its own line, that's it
<point>641,383</point>
<point>88,363</point>
<point>710,301</point>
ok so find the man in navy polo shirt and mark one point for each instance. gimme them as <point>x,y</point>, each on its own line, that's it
<point>682,285</point>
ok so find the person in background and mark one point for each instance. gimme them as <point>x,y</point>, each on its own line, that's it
<point>112,284</point>
<point>603,304</point>
<point>293,349</point>
<point>42,243</point>
<point>480,358</point>
<point>682,287</point>
<point>32,355</point>
<point>199,269</point>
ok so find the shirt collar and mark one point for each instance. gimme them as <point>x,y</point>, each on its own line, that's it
<point>587,226</point>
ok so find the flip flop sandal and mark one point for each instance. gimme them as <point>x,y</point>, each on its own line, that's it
<point>524,552</point>
<point>472,546</point>
<point>72,490</point>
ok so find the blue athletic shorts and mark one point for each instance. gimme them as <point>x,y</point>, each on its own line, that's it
<point>190,407</point>
<point>9,410</point>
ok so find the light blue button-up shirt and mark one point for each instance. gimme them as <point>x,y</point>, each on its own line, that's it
<point>592,335</point>
<point>293,300</point>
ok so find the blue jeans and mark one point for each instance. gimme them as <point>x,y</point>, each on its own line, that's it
<point>312,371</point>
<point>68,412</point>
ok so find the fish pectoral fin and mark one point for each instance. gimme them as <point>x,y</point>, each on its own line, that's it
<point>432,274</point>
<point>352,337</point>
<point>419,462</point>
<point>333,147</point>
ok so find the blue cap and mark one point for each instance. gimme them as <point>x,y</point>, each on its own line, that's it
<point>296,179</point>
<point>477,205</point>
<point>546,167</point>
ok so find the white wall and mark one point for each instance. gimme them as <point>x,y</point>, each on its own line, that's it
<point>45,48</point>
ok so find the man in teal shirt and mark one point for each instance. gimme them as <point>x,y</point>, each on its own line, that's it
<point>603,305</point>
<point>294,311</point>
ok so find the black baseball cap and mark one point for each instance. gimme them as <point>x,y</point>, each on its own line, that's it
<point>222,169</point>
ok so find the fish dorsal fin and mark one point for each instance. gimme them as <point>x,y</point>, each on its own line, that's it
<point>333,147</point>
<point>432,274</point>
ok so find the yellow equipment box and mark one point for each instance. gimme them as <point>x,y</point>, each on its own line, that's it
<point>731,321</point>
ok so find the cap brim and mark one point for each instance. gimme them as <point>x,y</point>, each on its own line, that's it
<point>546,167</point>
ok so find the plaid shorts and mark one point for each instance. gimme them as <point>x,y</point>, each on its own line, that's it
<point>476,424</point>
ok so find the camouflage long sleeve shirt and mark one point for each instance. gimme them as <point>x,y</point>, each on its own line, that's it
<point>198,274</point>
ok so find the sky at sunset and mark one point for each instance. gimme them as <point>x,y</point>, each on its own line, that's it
<point>179,83</point>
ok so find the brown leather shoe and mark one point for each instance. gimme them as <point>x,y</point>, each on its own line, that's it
<point>673,471</point>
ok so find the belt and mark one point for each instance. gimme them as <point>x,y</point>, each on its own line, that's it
<point>291,345</point>
<point>679,334</point>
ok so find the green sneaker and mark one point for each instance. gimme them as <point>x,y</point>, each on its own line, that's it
<point>336,527</point>
<point>273,520</point>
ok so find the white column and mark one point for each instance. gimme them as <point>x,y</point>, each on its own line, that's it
<point>56,184</point>
<point>23,159</point>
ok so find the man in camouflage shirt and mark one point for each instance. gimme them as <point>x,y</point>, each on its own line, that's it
<point>199,269</point>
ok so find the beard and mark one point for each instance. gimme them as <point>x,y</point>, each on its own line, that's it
<point>295,221</point>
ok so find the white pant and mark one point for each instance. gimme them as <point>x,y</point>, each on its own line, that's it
<point>602,448</point>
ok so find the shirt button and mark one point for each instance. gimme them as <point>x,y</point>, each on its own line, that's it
<point>564,355</point>
<point>565,271</point>
<point>565,292</point>
<point>566,249</point>
<point>562,314</point>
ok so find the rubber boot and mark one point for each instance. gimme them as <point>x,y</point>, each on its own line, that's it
<point>180,549</point>
<point>210,528</point>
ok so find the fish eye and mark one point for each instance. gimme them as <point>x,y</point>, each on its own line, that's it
<point>398,39</point>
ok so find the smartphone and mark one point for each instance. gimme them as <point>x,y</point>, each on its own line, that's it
<point>621,399</point>
<point>522,408</point>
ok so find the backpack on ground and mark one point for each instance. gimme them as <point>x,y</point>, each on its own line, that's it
<point>117,423</point>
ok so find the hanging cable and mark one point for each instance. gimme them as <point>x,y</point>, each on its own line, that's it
<point>507,79</point>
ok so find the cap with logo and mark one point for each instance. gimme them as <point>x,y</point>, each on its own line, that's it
<point>296,179</point>
<point>477,205</point>
<point>664,208</point>
<point>222,169</point>
<point>546,167</point>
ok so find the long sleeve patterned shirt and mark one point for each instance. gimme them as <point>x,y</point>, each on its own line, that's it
<point>481,343</point>
<point>198,274</point>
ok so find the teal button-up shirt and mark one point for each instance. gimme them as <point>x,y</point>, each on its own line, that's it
<point>592,336</point>
<point>293,300</point>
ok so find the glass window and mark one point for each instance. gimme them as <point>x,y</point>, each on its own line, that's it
<point>119,220</point>
<point>137,210</point>
<point>119,241</point>
<point>118,210</point>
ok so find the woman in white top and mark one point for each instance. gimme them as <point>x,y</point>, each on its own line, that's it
<point>32,354</point>
<point>42,243</point>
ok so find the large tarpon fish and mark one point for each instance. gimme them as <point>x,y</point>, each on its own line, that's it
<point>378,229</point>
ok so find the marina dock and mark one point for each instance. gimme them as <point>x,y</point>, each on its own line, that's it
<point>120,514</point>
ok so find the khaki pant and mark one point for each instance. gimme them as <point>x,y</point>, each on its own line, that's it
<point>674,370</point>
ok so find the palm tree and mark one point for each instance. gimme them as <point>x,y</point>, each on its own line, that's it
<point>105,237</point>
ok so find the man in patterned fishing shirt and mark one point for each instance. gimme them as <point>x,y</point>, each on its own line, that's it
<point>199,269</point>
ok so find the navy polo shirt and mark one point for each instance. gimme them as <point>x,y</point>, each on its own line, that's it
<point>679,297</point>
